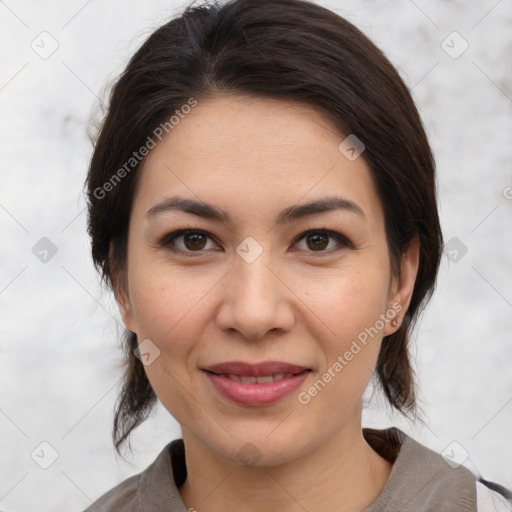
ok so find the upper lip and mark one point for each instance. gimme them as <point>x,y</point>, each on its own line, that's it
<point>255,369</point>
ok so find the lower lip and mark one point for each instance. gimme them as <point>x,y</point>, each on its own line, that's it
<point>256,394</point>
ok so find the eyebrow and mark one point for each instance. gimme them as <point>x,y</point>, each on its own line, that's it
<point>208,211</point>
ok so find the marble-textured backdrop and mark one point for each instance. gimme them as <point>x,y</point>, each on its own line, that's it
<point>60,355</point>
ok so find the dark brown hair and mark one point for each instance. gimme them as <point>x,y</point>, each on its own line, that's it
<point>281,49</point>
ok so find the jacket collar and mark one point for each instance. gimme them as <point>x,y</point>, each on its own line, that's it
<point>421,480</point>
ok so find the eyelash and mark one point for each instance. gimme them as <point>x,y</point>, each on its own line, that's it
<point>167,240</point>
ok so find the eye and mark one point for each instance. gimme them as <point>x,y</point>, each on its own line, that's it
<point>189,241</point>
<point>318,240</point>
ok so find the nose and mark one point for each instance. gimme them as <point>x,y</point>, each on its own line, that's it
<point>256,301</point>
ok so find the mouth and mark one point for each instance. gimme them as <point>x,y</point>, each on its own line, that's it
<point>263,369</point>
<point>256,384</point>
<point>251,379</point>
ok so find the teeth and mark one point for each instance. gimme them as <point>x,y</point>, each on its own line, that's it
<point>250,379</point>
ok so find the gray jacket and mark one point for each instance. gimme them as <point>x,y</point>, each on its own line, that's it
<point>421,481</point>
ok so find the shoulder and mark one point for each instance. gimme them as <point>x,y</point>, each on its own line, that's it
<point>123,497</point>
<point>422,479</point>
<point>154,488</point>
<point>492,497</point>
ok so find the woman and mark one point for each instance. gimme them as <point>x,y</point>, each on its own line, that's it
<point>262,202</point>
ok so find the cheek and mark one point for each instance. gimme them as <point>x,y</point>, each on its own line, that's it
<point>169,309</point>
<point>349,302</point>
<point>349,336</point>
<point>350,307</point>
<point>167,299</point>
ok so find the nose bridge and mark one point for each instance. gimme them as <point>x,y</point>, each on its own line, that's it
<point>254,299</point>
<point>256,280</point>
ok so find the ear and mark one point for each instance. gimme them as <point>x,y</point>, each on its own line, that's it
<point>402,286</point>
<point>121,293</point>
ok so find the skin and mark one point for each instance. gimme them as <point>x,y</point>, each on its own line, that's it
<point>254,157</point>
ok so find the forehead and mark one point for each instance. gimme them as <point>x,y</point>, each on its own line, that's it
<point>239,129</point>
<point>254,151</point>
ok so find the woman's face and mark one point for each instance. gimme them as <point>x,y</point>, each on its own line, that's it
<point>259,282</point>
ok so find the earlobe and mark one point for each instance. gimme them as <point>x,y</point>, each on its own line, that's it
<point>403,286</point>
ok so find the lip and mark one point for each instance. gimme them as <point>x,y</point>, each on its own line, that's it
<point>255,394</point>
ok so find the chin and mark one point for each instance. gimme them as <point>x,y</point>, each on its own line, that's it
<point>258,449</point>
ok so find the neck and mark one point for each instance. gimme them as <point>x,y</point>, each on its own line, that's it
<point>344,475</point>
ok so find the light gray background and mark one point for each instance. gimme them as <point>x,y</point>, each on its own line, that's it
<point>60,353</point>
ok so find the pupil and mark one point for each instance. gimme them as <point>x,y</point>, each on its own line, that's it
<point>317,241</point>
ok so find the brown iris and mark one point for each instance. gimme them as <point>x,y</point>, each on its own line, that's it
<point>197,241</point>
<point>320,241</point>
